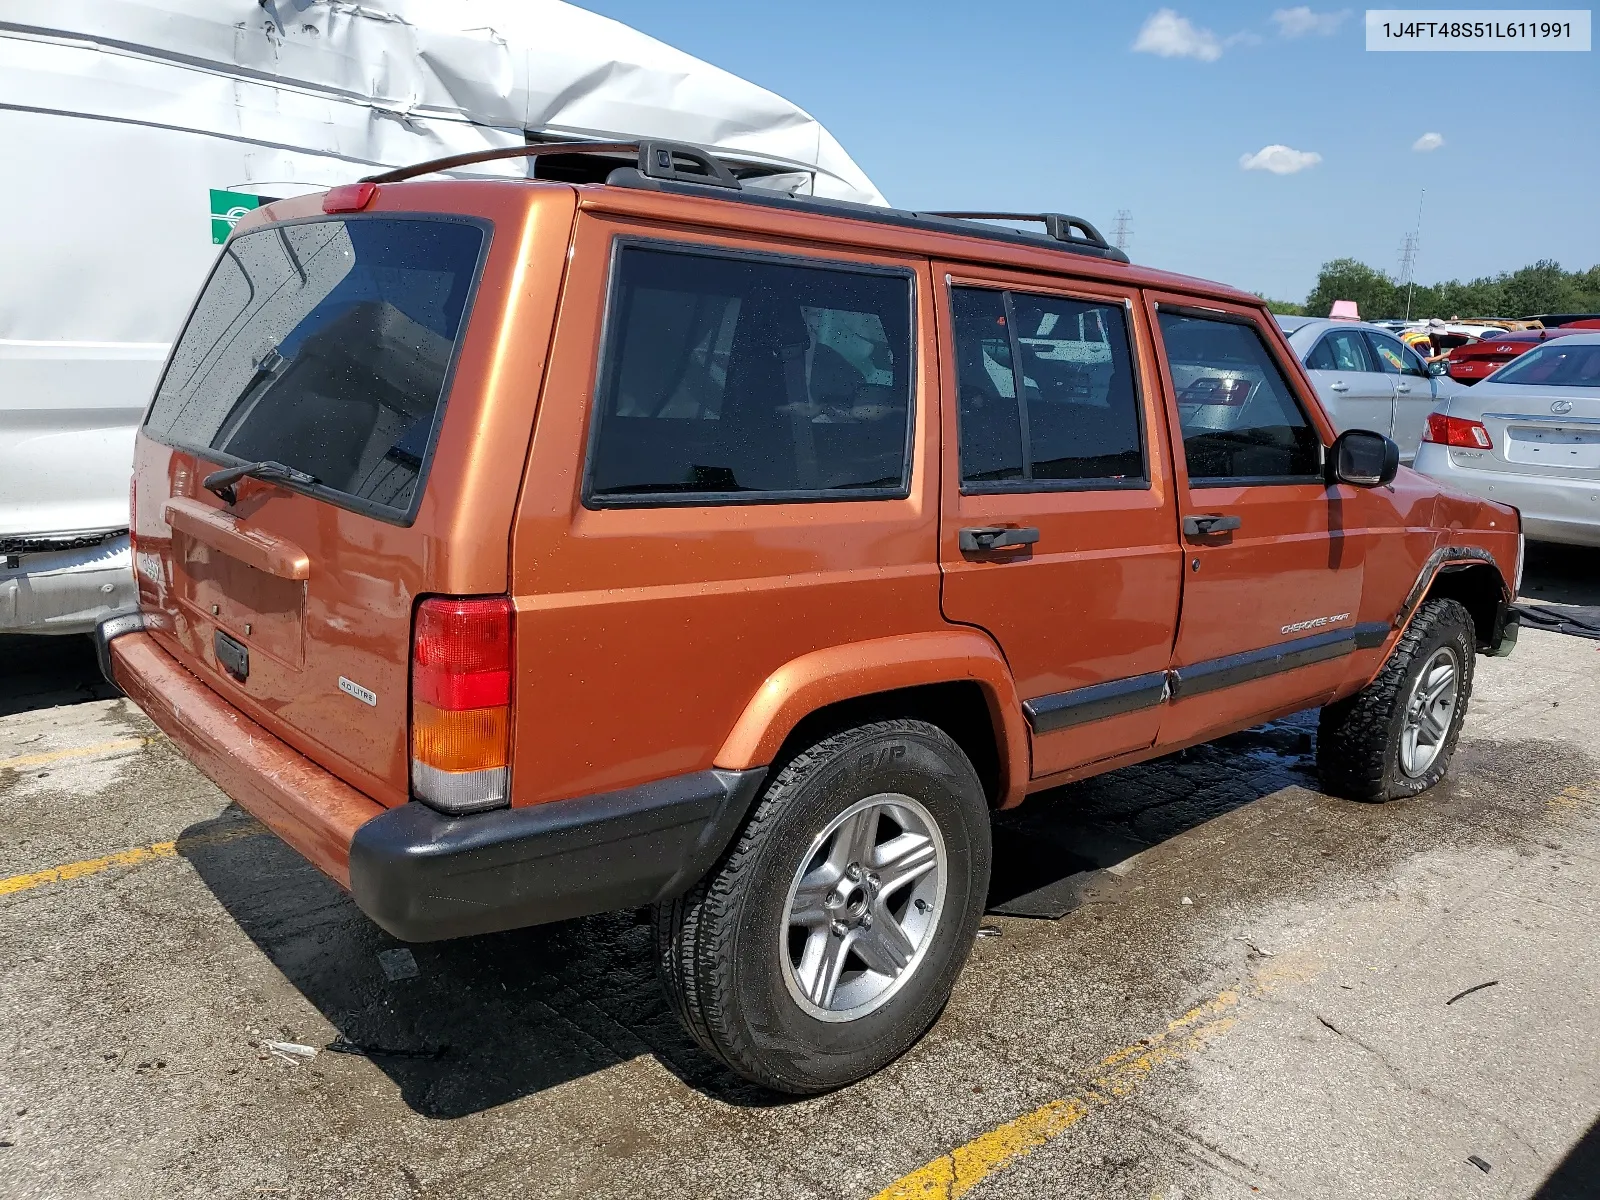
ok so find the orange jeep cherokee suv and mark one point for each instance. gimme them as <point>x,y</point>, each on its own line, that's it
<point>517,550</point>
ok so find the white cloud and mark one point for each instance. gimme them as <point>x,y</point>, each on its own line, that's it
<point>1170,36</point>
<point>1299,21</point>
<point>1427,142</point>
<point>1280,160</point>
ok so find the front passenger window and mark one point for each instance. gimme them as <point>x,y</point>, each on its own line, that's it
<point>1239,418</point>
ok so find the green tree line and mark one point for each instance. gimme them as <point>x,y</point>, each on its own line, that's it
<point>1540,288</point>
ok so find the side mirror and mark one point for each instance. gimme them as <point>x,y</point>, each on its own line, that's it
<point>1441,367</point>
<point>1363,458</point>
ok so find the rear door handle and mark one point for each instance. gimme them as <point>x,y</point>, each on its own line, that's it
<point>1339,387</point>
<point>1209,525</point>
<point>996,537</point>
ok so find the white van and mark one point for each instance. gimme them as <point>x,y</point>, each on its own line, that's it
<point>136,135</point>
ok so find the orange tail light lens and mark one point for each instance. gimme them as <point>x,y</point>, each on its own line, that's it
<point>461,688</point>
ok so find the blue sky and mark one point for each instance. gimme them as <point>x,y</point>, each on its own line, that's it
<point>1037,106</point>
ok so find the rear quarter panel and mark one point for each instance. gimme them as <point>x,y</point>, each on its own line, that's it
<point>644,633</point>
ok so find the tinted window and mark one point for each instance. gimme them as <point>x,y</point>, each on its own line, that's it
<point>1559,363</point>
<point>991,422</point>
<point>1074,415</point>
<point>736,377</point>
<point>324,346</point>
<point>1239,419</point>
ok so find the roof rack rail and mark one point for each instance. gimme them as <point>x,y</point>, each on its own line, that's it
<point>656,159</point>
<point>672,165</point>
<point>1058,225</point>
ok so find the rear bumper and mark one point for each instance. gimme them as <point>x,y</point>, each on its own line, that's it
<point>420,874</point>
<point>65,591</point>
<point>1553,509</point>
<point>424,876</point>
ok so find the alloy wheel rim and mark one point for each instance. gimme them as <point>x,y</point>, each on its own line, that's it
<point>1430,709</point>
<point>863,907</point>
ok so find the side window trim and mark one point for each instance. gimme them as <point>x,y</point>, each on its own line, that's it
<point>1204,313</point>
<point>1028,483</point>
<point>603,363</point>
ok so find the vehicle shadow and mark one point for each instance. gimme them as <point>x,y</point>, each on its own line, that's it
<point>38,671</point>
<point>487,1020</point>
<point>1577,1176</point>
<point>1561,574</point>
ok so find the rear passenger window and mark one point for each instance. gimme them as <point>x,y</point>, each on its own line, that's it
<point>1240,421</point>
<point>1345,350</point>
<point>1046,392</point>
<point>737,379</point>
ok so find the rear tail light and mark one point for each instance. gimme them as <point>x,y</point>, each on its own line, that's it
<point>461,663</point>
<point>1457,431</point>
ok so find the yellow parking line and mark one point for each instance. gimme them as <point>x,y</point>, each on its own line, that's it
<point>99,749</point>
<point>1122,1073</point>
<point>122,858</point>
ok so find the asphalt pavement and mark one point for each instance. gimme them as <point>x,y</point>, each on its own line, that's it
<point>1232,985</point>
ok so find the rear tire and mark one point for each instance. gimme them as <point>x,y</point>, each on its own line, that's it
<point>1396,736</point>
<point>826,941</point>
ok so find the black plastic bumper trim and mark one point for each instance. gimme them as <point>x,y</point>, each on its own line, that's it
<point>1061,710</point>
<point>1256,664</point>
<point>108,631</point>
<point>425,876</point>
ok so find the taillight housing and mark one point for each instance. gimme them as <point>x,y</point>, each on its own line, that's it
<point>461,694</point>
<point>349,197</point>
<point>1457,431</point>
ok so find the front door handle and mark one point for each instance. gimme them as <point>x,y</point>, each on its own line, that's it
<point>1209,525</point>
<point>996,537</point>
<point>1403,388</point>
<point>1339,386</point>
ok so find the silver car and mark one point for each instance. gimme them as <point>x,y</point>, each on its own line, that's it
<point>1369,379</point>
<point>1529,435</point>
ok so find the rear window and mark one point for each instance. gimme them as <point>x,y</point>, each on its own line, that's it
<point>325,346</point>
<point>1555,365</point>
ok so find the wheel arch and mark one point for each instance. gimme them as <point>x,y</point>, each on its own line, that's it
<point>955,679</point>
<point>1470,575</point>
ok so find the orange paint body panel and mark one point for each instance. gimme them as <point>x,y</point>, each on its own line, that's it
<point>304,805</point>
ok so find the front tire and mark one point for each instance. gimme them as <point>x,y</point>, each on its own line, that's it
<point>1396,736</point>
<point>827,940</point>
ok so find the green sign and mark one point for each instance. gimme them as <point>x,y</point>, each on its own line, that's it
<point>226,209</point>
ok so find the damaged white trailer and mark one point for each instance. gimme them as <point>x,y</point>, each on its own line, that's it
<point>136,133</point>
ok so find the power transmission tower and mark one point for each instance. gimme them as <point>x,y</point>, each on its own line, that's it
<point>1122,235</point>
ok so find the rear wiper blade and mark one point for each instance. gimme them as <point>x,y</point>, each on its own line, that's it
<point>221,482</point>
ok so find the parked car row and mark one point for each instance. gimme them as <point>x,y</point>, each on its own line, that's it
<point>1529,435</point>
<point>1368,379</point>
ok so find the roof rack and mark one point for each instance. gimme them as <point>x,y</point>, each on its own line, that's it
<point>1057,225</point>
<point>678,166</point>
<point>657,160</point>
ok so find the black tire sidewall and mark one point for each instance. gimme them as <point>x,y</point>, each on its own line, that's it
<point>1450,630</point>
<point>790,1043</point>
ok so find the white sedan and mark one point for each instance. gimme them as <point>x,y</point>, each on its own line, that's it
<point>1528,435</point>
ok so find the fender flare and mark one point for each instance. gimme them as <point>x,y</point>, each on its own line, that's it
<point>858,669</point>
<point>1444,558</point>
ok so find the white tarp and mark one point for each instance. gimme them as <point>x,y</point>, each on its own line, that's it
<point>118,118</point>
